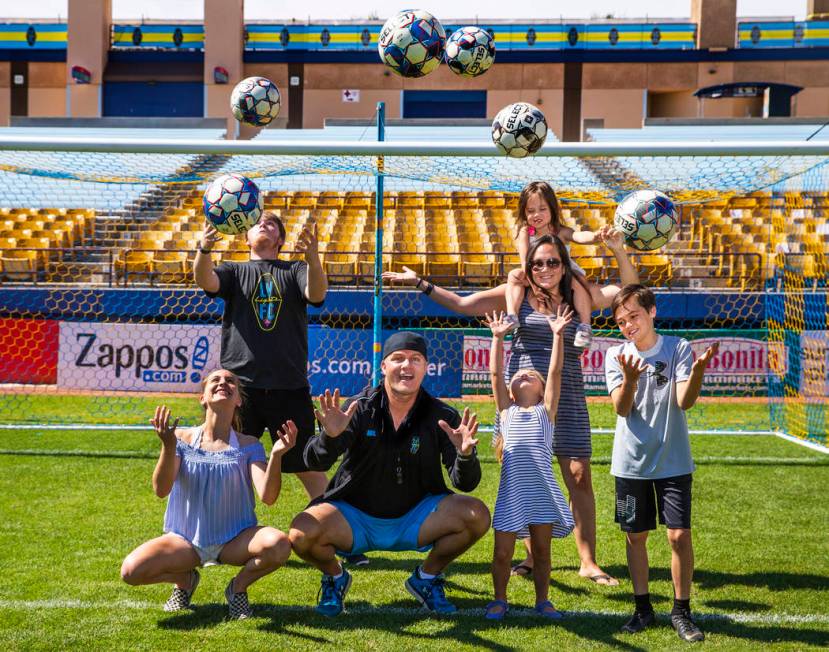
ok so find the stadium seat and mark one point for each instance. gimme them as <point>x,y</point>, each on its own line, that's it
<point>170,267</point>
<point>19,265</point>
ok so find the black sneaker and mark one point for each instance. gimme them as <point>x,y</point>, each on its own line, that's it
<point>179,599</point>
<point>237,603</point>
<point>638,622</point>
<point>356,560</point>
<point>686,628</point>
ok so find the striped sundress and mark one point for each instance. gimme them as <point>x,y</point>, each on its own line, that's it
<point>531,348</point>
<point>528,493</point>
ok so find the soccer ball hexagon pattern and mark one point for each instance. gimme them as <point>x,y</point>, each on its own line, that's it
<point>470,51</point>
<point>519,130</point>
<point>411,43</point>
<point>647,218</point>
<point>255,101</point>
<point>232,203</point>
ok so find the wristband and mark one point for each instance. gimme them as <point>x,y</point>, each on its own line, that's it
<point>419,281</point>
<point>204,251</point>
<point>429,287</point>
<point>466,457</point>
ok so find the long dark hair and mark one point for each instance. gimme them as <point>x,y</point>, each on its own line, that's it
<point>549,195</point>
<point>565,285</point>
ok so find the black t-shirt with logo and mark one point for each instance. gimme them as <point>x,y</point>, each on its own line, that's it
<point>265,322</point>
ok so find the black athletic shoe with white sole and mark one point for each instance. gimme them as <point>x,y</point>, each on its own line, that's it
<point>686,628</point>
<point>638,622</point>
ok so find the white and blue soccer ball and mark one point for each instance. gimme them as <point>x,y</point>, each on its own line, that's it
<point>255,101</point>
<point>233,204</point>
<point>647,218</point>
<point>411,43</point>
<point>470,51</point>
<point>519,130</point>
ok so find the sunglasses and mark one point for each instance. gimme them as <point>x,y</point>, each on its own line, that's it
<point>551,263</point>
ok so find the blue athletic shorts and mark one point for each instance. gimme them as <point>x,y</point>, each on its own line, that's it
<point>400,533</point>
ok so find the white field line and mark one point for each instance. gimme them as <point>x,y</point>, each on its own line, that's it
<point>367,610</point>
<point>803,442</point>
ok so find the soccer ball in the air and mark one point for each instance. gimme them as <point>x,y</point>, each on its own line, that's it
<point>255,101</point>
<point>647,218</point>
<point>470,51</point>
<point>519,130</point>
<point>411,43</point>
<point>232,203</point>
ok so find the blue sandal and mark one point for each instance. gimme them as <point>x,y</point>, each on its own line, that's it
<point>547,610</point>
<point>496,610</point>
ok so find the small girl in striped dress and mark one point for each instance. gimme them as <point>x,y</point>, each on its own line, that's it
<point>529,500</point>
<point>210,473</point>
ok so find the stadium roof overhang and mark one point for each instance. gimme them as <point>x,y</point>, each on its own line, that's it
<point>746,89</point>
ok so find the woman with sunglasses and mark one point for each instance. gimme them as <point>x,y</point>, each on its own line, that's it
<point>551,279</point>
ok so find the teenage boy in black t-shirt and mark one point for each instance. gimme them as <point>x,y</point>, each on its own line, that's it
<point>265,331</point>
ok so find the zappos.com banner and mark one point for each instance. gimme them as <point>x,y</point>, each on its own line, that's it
<point>340,358</point>
<point>139,357</point>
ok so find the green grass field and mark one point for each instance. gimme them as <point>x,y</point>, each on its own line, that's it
<point>76,502</point>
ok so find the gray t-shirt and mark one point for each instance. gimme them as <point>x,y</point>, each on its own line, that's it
<point>652,441</point>
<point>265,322</point>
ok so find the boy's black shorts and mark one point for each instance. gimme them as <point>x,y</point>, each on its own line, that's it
<point>271,408</point>
<point>639,501</point>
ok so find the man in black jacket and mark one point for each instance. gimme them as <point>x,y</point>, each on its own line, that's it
<point>389,492</point>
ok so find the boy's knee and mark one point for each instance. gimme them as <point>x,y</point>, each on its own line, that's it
<point>679,538</point>
<point>305,529</point>
<point>636,538</point>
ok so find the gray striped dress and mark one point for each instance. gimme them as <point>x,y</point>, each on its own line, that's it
<point>531,348</point>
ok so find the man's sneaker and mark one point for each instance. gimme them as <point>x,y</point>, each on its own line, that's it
<point>332,594</point>
<point>356,560</point>
<point>584,336</point>
<point>638,622</point>
<point>237,603</point>
<point>430,593</point>
<point>686,628</point>
<point>179,599</point>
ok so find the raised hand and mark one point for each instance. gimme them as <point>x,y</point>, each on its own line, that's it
<point>563,316</point>
<point>329,414</point>
<point>407,276</point>
<point>499,324</point>
<point>632,366</point>
<point>705,358</point>
<point>286,438</point>
<point>308,242</point>
<point>209,236</point>
<point>611,237</point>
<point>463,437</point>
<point>161,423</point>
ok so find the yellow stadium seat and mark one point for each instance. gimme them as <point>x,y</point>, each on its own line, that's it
<point>40,245</point>
<point>19,265</point>
<point>170,267</point>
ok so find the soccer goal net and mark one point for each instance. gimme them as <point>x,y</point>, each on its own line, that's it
<point>99,314</point>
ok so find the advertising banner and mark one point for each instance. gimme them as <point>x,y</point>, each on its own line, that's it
<point>28,351</point>
<point>140,357</point>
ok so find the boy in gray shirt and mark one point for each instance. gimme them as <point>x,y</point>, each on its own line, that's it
<point>652,379</point>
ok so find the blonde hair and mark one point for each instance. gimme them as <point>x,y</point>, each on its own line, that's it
<point>236,422</point>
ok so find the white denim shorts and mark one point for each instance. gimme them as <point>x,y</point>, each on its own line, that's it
<point>208,555</point>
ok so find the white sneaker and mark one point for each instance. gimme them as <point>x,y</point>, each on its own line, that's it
<point>584,336</point>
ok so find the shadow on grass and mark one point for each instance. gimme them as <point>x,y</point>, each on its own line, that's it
<point>772,580</point>
<point>736,605</point>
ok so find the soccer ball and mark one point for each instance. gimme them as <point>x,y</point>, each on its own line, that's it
<point>647,218</point>
<point>519,130</point>
<point>470,51</point>
<point>255,101</point>
<point>232,203</point>
<point>411,43</point>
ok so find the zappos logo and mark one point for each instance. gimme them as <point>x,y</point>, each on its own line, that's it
<point>198,360</point>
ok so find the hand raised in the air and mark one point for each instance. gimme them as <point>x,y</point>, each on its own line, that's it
<point>463,437</point>
<point>161,423</point>
<point>611,237</point>
<point>632,366</point>
<point>559,321</point>
<point>329,414</point>
<point>209,236</point>
<point>286,438</point>
<point>308,242</point>
<point>499,324</point>
<point>705,358</point>
<point>407,276</point>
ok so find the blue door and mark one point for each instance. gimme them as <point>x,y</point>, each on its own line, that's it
<point>154,99</point>
<point>444,104</point>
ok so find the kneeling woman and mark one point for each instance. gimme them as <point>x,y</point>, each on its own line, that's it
<point>209,473</point>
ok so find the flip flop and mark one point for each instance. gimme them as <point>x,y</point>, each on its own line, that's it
<point>496,610</point>
<point>547,610</point>
<point>608,581</point>
<point>521,570</point>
